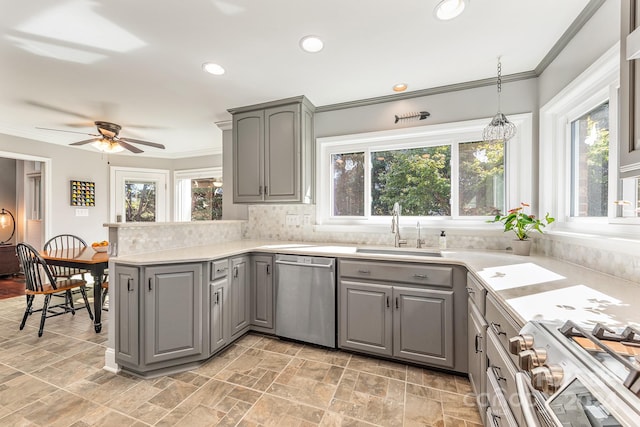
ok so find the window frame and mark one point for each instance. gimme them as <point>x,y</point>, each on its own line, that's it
<point>180,206</point>
<point>597,84</point>
<point>120,174</point>
<point>518,173</point>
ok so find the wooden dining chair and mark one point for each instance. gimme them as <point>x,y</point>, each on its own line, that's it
<point>40,280</point>
<point>68,244</point>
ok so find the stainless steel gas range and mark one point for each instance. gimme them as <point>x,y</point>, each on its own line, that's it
<point>570,376</point>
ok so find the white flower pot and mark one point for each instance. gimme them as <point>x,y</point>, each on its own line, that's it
<point>521,247</point>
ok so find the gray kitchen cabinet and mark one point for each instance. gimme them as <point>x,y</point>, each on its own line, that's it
<point>273,152</point>
<point>423,325</point>
<point>173,312</point>
<point>477,346</point>
<point>125,285</point>
<point>218,323</point>
<point>262,293</point>
<point>365,317</point>
<point>219,328</point>
<point>413,312</point>
<point>239,296</point>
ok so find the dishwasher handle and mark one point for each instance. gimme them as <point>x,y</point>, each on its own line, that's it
<point>302,264</point>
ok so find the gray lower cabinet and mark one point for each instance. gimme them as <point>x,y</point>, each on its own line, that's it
<point>218,322</point>
<point>159,315</point>
<point>125,284</point>
<point>409,323</point>
<point>477,345</point>
<point>262,293</point>
<point>173,312</point>
<point>239,296</point>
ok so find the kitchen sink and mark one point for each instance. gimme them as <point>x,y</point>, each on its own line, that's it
<point>398,252</point>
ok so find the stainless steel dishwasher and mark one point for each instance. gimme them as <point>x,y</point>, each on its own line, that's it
<point>306,299</point>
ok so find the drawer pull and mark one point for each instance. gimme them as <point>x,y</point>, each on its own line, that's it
<point>268,269</point>
<point>497,329</point>
<point>477,343</point>
<point>498,373</point>
<point>495,420</point>
<point>364,271</point>
<point>397,303</point>
<point>388,303</point>
<point>129,289</point>
<point>420,276</point>
<point>150,279</point>
<point>470,291</point>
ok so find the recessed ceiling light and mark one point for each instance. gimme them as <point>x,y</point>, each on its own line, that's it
<point>212,68</point>
<point>400,87</point>
<point>449,9</point>
<point>311,44</point>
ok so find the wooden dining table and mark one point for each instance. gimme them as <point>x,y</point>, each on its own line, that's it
<point>86,259</point>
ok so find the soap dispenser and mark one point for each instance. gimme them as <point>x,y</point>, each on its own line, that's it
<point>442,241</point>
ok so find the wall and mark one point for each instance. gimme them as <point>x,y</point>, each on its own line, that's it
<point>68,163</point>
<point>597,36</point>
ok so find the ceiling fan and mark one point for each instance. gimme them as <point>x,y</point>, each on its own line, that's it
<point>107,139</point>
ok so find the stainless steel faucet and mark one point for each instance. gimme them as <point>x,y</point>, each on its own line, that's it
<point>420,241</point>
<point>395,225</point>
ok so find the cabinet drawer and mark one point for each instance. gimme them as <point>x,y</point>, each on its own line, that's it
<point>501,324</point>
<point>477,292</point>
<point>503,372</point>
<point>398,273</point>
<point>498,412</point>
<point>219,269</point>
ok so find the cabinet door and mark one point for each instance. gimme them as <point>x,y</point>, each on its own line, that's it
<point>125,291</point>
<point>282,153</point>
<point>365,317</point>
<point>219,323</point>
<point>248,156</point>
<point>262,292</point>
<point>476,344</point>
<point>423,325</point>
<point>239,297</point>
<point>173,298</point>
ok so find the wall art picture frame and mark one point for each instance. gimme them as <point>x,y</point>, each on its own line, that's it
<point>83,193</point>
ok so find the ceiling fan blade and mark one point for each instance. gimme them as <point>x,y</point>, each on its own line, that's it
<point>86,141</point>
<point>57,109</point>
<point>130,147</point>
<point>137,141</point>
<point>68,131</point>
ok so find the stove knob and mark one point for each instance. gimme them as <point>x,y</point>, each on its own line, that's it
<point>547,378</point>
<point>520,343</point>
<point>532,358</point>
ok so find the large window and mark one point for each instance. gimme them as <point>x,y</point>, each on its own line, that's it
<point>434,172</point>
<point>590,163</point>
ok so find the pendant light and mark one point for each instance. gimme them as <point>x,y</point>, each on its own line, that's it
<point>500,128</point>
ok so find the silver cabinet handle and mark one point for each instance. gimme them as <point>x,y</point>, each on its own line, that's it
<point>470,291</point>
<point>235,272</point>
<point>364,271</point>
<point>388,302</point>
<point>268,268</point>
<point>498,373</point>
<point>420,276</point>
<point>129,289</point>
<point>477,343</point>
<point>497,329</point>
<point>216,299</point>
<point>150,279</point>
<point>397,303</point>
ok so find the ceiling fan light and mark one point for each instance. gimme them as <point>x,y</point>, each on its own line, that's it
<point>449,9</point>
<point>107,146</point>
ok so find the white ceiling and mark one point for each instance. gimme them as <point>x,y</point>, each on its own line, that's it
<point>67,63</point>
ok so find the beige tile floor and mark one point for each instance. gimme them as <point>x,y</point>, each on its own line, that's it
<point>58,380</point>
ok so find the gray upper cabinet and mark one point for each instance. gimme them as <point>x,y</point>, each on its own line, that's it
<point>273,149</point>
<point>262,293</point>
<point>173,312</point>
<point>239,296</point>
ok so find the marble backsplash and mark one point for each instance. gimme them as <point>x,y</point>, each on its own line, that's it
<point>269,222</point>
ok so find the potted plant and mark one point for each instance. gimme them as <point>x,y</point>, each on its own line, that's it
<point>521,224</point>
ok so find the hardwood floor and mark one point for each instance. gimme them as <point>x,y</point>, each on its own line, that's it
<point>11,286</point>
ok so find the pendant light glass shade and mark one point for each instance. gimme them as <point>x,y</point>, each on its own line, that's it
<point>500,128</point>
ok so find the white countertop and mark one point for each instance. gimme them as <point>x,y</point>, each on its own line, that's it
<point>532,288</point>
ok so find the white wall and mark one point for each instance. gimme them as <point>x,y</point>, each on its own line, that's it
<point>68,163</point>
<point>597,36</point>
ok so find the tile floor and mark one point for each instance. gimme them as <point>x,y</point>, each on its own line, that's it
<point>58,380</point>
